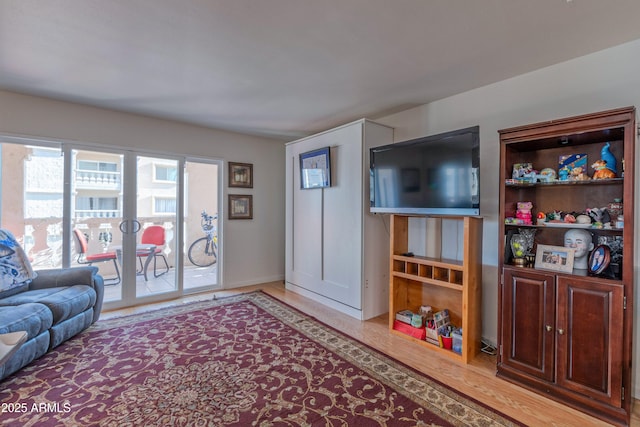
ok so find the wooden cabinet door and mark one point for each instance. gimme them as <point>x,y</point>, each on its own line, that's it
<point>528,322</point>
<point>589,332</point>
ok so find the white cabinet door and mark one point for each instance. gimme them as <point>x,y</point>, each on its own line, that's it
<point>342,213</point>
<point>324,232</point>
<point>303,226</point>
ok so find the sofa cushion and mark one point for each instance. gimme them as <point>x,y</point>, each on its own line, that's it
<point>70,327</point>
<point>64,302</point>
<point>16,290</point>
<point>28,352</point>
<point>15,267</point>
<point>33,318</point>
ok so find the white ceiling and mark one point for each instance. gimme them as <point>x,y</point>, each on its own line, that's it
<point>289,68</point>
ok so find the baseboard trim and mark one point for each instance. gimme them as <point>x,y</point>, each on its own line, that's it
<point>277,278</point>
<point>358,314</point>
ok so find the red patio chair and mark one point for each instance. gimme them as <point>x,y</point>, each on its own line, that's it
<point>153,235</point>
<point>85,258</point>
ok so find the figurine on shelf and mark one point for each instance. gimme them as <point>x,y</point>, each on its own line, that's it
<point>582,242</point>
<point>602,170</point>
<point>600,217</point>
<point>520,170</point>
<point>575,165</point>
<point>547,175</point>
<point>578,174</point>
<point>563,174</point>
<point>555,216</point>
<point>524,212</point>
<point>609,159</point>
<point>583,219</point>
<point>530,177</point>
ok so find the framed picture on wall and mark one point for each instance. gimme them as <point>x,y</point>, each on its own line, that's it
<point>315,169</point>
<point>240,175</point>
<point>240,206</point>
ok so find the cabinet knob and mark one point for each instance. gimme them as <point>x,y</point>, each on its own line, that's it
<point>549,328</point>
<point>561,331</point>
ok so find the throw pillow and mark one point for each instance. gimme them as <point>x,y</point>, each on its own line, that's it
<point>15,267</point>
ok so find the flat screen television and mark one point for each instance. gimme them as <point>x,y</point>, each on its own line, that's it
<point>433,175</point>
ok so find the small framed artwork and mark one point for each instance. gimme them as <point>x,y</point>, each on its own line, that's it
<point>240,206</point>
<point>599,259</point>
<point>556,258</point>
<point>315,169</point>
<point>241,175</point>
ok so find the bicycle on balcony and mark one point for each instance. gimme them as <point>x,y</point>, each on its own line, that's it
<point>204,251</point>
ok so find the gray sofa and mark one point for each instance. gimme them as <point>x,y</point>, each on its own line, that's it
<point>56,305</point>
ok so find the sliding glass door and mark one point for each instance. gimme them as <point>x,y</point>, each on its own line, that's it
<point>122,211</point>
<point>156,213</point>
<point>95,212</point>
<point>123,219</point>
<point>201,219</point>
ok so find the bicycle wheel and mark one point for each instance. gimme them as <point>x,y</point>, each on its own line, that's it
<point>202,252</point>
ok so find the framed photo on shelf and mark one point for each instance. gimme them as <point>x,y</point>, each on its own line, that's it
<point>240,206</point>
<point>240,175</point>
<point>315,169</point>
<point>599,259</point>
<point>556,258</point>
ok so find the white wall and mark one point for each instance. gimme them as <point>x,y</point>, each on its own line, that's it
<point>600,81</point>
<point>253,249</point>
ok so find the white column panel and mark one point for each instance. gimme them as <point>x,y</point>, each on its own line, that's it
<point>342,213</point>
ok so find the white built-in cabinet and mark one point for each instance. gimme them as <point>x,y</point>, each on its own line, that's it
<point>336,251</point>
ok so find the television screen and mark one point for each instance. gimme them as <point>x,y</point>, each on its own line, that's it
<point>436,175</point>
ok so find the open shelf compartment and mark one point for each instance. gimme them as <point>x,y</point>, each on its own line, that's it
<point>440,283</point>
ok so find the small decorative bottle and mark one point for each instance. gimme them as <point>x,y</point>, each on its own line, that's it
<point>615,208</point>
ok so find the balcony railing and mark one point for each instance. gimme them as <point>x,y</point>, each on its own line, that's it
<point>97,180</point>
<point>98,213</point>
<point>43,243</point>
<point>42,238</point>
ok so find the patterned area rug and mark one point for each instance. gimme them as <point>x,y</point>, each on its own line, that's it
<point>247,360</point>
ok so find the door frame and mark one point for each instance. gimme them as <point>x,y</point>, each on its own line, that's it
<point>221,215</point>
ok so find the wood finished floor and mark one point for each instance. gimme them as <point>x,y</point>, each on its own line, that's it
<point>476,379</point>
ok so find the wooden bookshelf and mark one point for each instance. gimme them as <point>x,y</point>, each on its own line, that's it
<point>438,282</point>
<point>549,321</point>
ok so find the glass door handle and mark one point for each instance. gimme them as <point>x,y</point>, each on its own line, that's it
<point>135,226</point>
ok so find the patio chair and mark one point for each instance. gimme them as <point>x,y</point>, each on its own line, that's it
<point>153,235</point>
<point>85,258</point>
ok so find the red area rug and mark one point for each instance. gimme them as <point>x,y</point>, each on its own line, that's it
<point>247,360</point>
